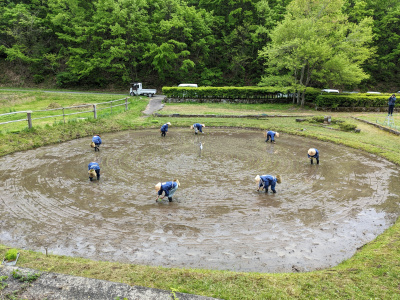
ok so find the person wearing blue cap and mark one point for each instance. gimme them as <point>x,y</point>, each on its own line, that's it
<point>264,181</point>
<point>164,129</point>
<point>96,142</point>
<point>197,127</point>
<point>313,153</point>
<point>94,171</point>
<point>168,188</point>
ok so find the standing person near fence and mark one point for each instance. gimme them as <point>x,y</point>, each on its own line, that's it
<point>392,102</point>
<point>164,129</point>
<point>96,142</point>
<point>94,170</point>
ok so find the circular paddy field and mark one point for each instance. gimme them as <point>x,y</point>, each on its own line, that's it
<point>319,216</point>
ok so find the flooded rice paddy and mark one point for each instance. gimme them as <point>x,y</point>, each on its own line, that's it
<point>319,216</point>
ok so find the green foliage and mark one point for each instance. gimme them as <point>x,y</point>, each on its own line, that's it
<point>30,277</point>
<point>225,92</point>
<point>2,283</point>
<point>347,126</point>
<point>11,254</point>
<point>351,100</point>
<point>316,43</point>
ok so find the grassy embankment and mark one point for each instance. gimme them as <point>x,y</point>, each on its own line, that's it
<point>372,273</point>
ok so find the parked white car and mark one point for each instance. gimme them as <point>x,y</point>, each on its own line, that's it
<point>188,85</point>
<point>373,92</point>
<point>137,90</point>
<point>330,91</point>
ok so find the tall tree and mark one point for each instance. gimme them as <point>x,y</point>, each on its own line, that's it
<point>316,45</point>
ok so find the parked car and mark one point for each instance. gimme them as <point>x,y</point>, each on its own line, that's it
<point>330,91</point>
<point>188,85</point>
<point>373,92</point>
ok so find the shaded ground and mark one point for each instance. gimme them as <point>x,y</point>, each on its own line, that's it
<point>319,217</point>
<point>64,287</point>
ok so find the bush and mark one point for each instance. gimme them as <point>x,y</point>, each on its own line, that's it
<point>11,254</point>
<point>227,92</point>
<point>347,127</point>
<point>351,100</point>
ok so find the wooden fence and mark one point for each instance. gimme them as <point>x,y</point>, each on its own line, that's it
<point>94,108</point>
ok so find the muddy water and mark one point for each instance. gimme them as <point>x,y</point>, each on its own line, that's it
<point>319,216</point>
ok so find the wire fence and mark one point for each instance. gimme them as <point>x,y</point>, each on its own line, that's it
<point>86,110</point>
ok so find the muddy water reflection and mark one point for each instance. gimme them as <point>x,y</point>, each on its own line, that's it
<point>318,218</point>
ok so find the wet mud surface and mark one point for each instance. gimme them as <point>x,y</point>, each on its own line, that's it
<point>319,216</point>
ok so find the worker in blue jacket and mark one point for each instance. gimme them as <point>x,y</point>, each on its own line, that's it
<point>197,127</point>
<point>313,153</point>
<point>94,171</point>
<point>392,102</point>
<point>271,135</point>
<point>264,181</point>
<point>97,142</point>
<point>164,129</point>
<point>168,188</point>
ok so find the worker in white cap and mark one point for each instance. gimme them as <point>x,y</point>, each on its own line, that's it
<point>164,129</point>
<point>271,135</point>
<point>197,127</point>
<point>264,181</point>
<point>313,153</point>
<point>168,188</point>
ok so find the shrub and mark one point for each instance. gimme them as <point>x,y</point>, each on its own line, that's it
<point>351,100</point>
<point>347,127</point>
<point>11,254</point>
<point>230,92</point>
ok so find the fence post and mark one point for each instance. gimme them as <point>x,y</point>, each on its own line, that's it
<point>63,116</point>
<point>126,103</point>
<point>94,111</point>
<point>111,107</point>
<point>29,117</point>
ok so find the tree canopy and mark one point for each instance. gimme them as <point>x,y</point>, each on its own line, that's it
<point>210,42</point>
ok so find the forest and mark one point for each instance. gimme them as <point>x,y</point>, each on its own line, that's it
<point>346,44</point>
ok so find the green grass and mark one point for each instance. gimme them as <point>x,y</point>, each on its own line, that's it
<point>372,273</point>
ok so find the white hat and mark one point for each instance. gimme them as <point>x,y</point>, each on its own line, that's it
<point>203,125</point>
<point>257,179</point>
<point>277,134</point>
<point>191,127</point>
<point>168,123</point>
<point>158,186</point>
<point>311,152</point>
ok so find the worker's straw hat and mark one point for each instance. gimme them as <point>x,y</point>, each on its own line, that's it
<point>311,152</point>
<point>203,125</point>
<point>158,186</point>
<point>257,178</point>
<point>177,181</point>
<point>169,123</point>
<point>92,173</point>
<point>277,134</point>
<point>278,178</point>
<point>191,127</point>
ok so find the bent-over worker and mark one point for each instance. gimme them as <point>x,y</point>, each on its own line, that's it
<point>168,188</point>
<point>264,181</point>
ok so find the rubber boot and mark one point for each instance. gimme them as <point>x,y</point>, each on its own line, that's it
<point>274,191</point>
<point>170,199</point>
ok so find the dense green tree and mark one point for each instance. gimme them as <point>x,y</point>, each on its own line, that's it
<point>316,45</point>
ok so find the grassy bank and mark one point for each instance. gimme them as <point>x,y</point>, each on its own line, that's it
<point>373,272</point>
